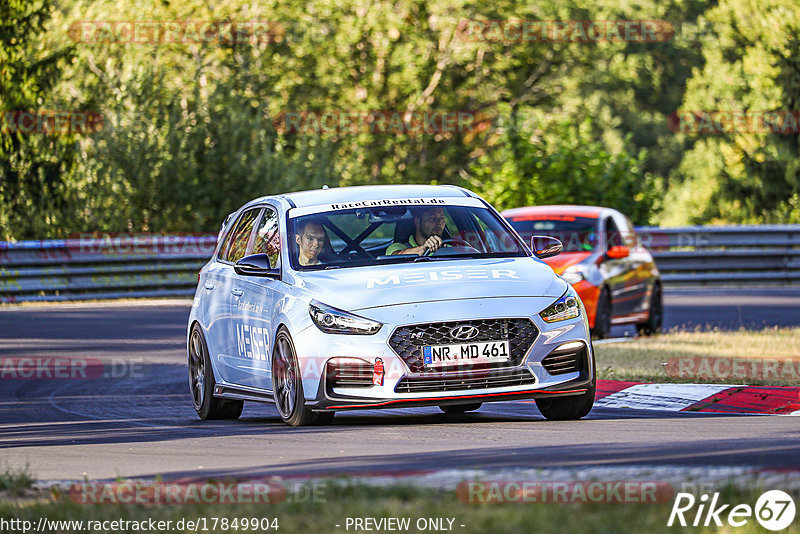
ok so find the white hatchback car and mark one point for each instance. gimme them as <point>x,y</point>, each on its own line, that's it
<point>383,297</point>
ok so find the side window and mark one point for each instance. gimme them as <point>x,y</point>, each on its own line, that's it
<point>268,239</point>
<point>631,237</point>
<point>226,241</point>
<point>488,234</point>
<point>613,236</point>
<point>241,236</point>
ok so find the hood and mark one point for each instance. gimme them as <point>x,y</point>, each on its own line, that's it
<point>360,288</point>
<point>566,259</point>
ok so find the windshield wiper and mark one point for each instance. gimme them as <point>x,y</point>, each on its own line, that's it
<point>397,258</point>
<point>446,257</point>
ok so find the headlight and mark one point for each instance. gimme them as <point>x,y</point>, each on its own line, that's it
<point>334,321</point>
<point>567,307</point>
<point>573,275</point>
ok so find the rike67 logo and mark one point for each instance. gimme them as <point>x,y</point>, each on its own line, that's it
<point>774,510</point>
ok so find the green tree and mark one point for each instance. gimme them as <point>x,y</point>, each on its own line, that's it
<point>34,196</point>
<point>562,163</point>
<point>633,86</point>
<point>189,135</point>
<point>190,128</point>
<point>752,63</point>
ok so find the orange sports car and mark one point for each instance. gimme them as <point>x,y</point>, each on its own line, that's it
<point>604,261</point>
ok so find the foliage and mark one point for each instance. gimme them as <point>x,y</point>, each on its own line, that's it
<point>33,169</point>
<point>752,63</point>
<point>191,130</point>
<point>15,481</point>
<point>314,507</point>
<point>562,163</point>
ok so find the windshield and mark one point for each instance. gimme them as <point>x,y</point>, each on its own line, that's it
<point>371,236</point>
<point>577,234</point>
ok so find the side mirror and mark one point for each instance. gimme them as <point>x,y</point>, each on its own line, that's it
<point>618,252</point>
<point>256,265</point>
<point>544,246</point>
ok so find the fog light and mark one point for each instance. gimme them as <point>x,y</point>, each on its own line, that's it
<point>572,345</point>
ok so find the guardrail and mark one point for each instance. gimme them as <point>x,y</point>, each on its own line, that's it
<point>130,266</point>
<point>158,266</point>
<point>746,256</point>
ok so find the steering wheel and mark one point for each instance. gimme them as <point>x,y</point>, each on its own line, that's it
<point>456,245</point>
<point>455,242</point>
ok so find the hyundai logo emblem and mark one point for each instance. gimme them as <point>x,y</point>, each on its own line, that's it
<point>464,332</point>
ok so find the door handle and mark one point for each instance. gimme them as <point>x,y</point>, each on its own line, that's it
<point>209,286</point>
<point>237,292</point>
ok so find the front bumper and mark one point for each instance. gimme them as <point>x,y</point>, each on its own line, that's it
<point>337,402</point>
<point>485,385</point>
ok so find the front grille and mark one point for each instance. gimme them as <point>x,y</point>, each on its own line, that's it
<point>484,380</point>
<point>349,374</point>
<point>560,362</point>
<point>407,341</point>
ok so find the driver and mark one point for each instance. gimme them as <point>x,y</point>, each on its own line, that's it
<point>429,225</point>
<point>310,236</point>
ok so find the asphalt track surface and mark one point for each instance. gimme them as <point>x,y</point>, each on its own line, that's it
<point>140,423</point>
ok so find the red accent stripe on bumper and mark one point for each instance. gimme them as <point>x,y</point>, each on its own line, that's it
<point>484,395</point>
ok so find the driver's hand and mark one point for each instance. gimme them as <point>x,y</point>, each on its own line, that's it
<point>432,244</point>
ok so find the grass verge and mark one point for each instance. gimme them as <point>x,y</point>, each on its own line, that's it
<point>329,511</point>
<point>15,482</point>
<point>762,357</point>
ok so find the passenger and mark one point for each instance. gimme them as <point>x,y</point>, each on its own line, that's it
<point>429,225</point>
<point>310,236</point>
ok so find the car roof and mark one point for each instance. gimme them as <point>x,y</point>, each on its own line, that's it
<point>592,212</point>
<point>336,195</point>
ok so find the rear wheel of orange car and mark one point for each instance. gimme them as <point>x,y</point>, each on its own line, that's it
<point>602,315</point>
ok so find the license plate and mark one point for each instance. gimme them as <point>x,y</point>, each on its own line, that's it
<point>460,353</point>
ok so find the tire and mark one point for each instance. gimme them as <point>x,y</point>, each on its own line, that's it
<point>567,408</point>
<point>323,418</point>
<point>457,409</point>
<point>602,315</point>
<point>570,408</point>
<point>287,386</point>
<point>656,317</point>
<point>202,382</point>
